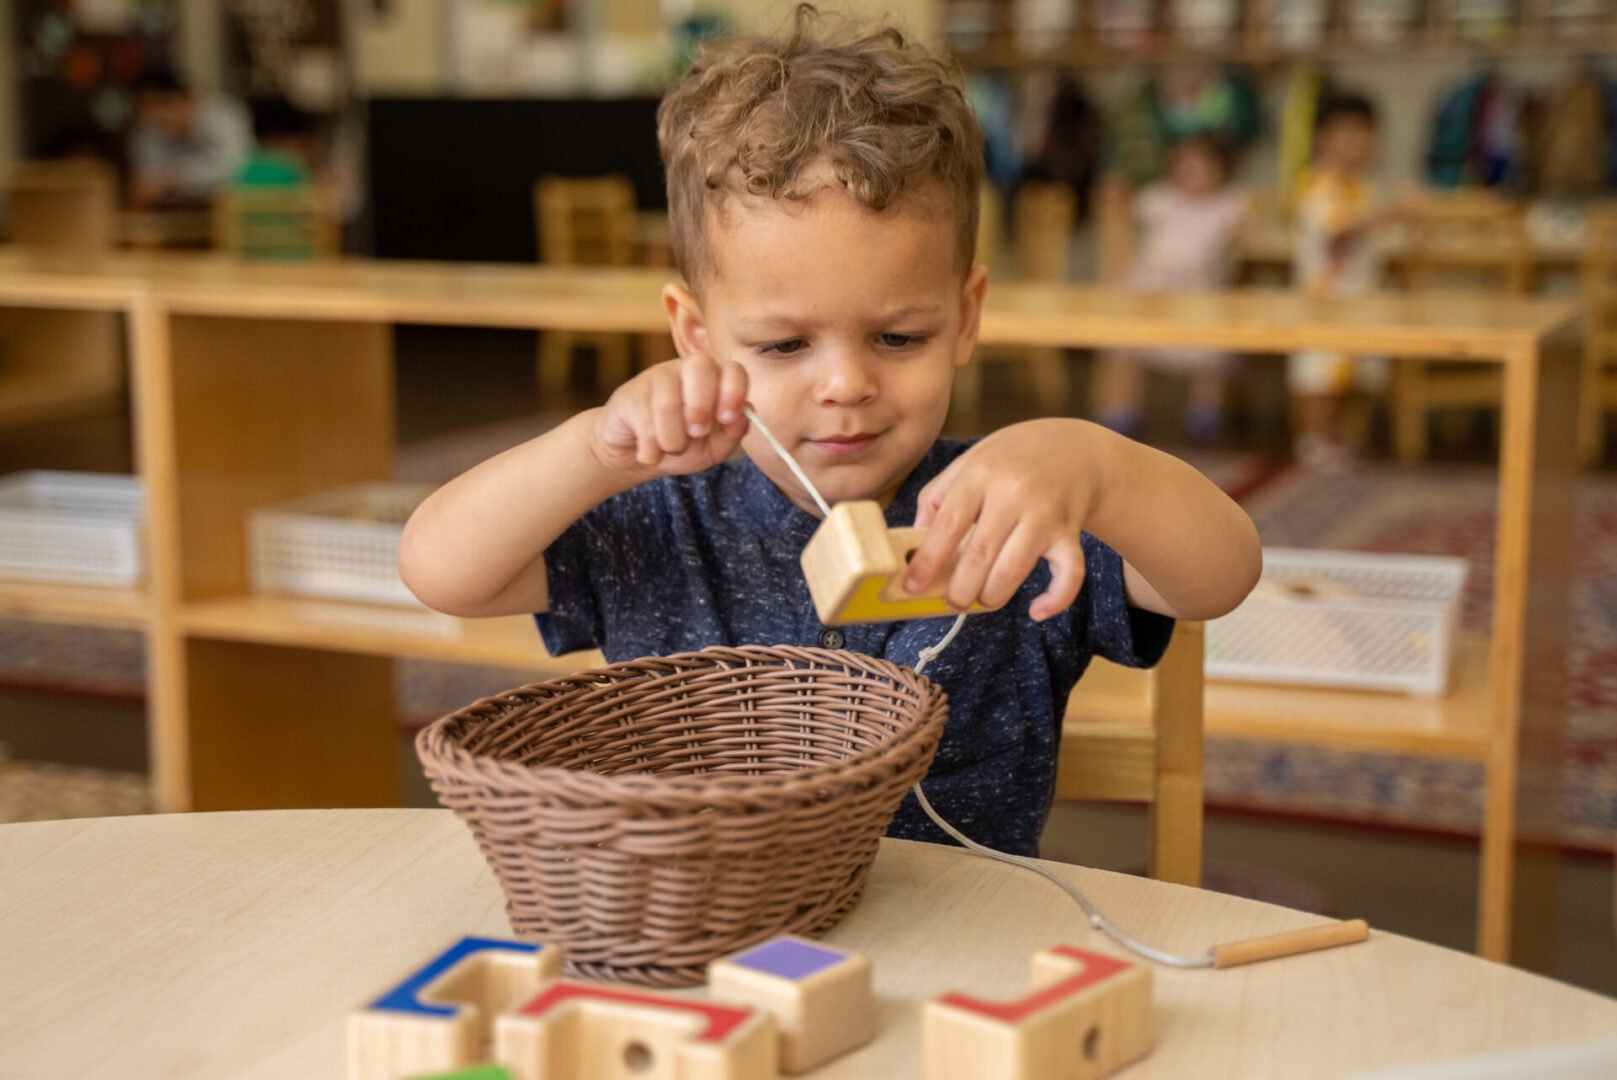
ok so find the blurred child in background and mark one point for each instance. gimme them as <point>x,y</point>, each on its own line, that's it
<point>1336,255</point>
<point>1189,222</point>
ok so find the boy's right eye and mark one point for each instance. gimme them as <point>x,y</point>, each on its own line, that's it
<point>783,348</point>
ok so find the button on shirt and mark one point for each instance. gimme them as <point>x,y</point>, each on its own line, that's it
<point>684,562</point>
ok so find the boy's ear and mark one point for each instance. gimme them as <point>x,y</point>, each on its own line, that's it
<point>971,312</point>
<point>685,320</point>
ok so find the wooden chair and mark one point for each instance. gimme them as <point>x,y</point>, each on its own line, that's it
<point>1116,746</point>
<point>1475,242</point>
<point>65,205</point>
<point>1599,391</point>
<point>1043,217</point>
<point>586,221</point>
<point>294,223</point>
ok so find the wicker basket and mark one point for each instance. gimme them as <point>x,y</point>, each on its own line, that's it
<point>651,816</point>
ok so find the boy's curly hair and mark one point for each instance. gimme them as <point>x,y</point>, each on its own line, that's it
<point>753,114</point>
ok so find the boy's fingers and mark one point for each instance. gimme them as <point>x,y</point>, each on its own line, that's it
<point>1017,558</point>
<point>1066,558</point>
<point>944,531</point>
<point>933,494</point>
<point>699,385</point>
<point>980,555</point>
<point>645,448</point>
<point>668,413</point>
<point>732,393</point>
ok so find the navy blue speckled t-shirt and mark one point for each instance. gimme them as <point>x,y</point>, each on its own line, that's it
<point>684,562</point>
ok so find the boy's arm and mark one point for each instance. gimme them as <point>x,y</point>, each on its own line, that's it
<point>476,546</point>
<point>1188,550</point>
<point>1028,491</point>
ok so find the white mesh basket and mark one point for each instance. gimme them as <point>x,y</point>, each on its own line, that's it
<point>1343,619</point>
<point>75,528</point>
<point>340,545</point>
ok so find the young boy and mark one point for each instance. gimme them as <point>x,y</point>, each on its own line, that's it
<point>1336,256</point>
<point>823,194</point>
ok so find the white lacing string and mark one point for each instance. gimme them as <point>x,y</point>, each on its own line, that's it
<point>925,657</point>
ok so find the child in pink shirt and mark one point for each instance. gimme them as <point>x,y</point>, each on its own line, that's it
<point>1189,223</point>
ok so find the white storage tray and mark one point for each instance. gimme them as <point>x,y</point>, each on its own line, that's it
<point>1343,619</point>
<point>340,545</point>
<point>74,528</point>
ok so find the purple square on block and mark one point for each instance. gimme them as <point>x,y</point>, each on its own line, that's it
<point>789,959</point>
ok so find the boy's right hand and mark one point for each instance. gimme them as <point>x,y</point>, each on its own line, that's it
<point>681,416</point>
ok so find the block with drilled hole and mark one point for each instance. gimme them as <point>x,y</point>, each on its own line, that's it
<point>590,1031</point>
<point>855,569</point>
<point>1087,1015</point>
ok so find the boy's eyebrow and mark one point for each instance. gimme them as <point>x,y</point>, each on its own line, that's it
<point>785,318</point>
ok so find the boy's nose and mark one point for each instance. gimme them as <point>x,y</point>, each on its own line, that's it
<point>846,380</point>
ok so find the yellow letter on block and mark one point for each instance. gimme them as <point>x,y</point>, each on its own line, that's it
<point>855,569</point>
<point>442,1016</point>
<point>1088,1015</point>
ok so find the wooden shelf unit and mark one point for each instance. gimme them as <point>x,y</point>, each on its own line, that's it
<point>256,384</point>
<point>1457,725</point>
<point>379,630</point>
<point>85,605</point>
<point>1529,32</point>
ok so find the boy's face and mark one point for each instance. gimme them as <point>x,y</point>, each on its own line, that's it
<point>850,324</point>
<point>1348,144</point>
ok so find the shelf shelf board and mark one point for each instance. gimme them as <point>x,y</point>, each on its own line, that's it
<point>38,399</point>
<point>379,630</point>
<point>89,605</point>
<point>1456,725</point>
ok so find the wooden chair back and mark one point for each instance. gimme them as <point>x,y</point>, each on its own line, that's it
<point>1470,241</point>
<point>1117,746</point>
<point>67,205</point>
<point>294,223</point>
<point>1043,217</point>
<point>1599,289</point>
<point>585,221</point>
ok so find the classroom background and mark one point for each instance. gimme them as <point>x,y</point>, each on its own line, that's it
<point>448,133</point>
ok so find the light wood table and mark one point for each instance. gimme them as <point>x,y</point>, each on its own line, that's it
<point>259,383</point>
<point>233,945</point>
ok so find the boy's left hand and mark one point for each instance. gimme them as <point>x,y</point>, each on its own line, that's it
<point>1023,493</point>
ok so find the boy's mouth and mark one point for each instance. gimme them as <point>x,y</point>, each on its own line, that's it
<point>845,444</point>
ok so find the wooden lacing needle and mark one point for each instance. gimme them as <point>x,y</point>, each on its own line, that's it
<point>1290,943</point>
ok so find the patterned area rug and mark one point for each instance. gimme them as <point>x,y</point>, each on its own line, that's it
<point>1437,511</point>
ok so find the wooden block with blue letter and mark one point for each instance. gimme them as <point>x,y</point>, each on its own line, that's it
<point>585,1031</point>
<point>1088,1015</point>
<point>820,996</point>
<point>442,1017</point>
<point>855,569</point>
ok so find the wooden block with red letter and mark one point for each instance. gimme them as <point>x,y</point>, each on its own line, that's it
<point>821,997</point>
<point>442,1017</point>
<point>855,569</point>
<point>581,1031</point>
<point>1088,1015</point>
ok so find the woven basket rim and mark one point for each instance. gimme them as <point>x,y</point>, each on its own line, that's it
<point>436,744</point>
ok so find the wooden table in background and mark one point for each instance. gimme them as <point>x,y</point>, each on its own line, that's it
<point>233,945</point>
<point>259,383</point>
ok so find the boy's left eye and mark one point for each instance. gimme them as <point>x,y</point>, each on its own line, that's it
<point>900,341</point>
